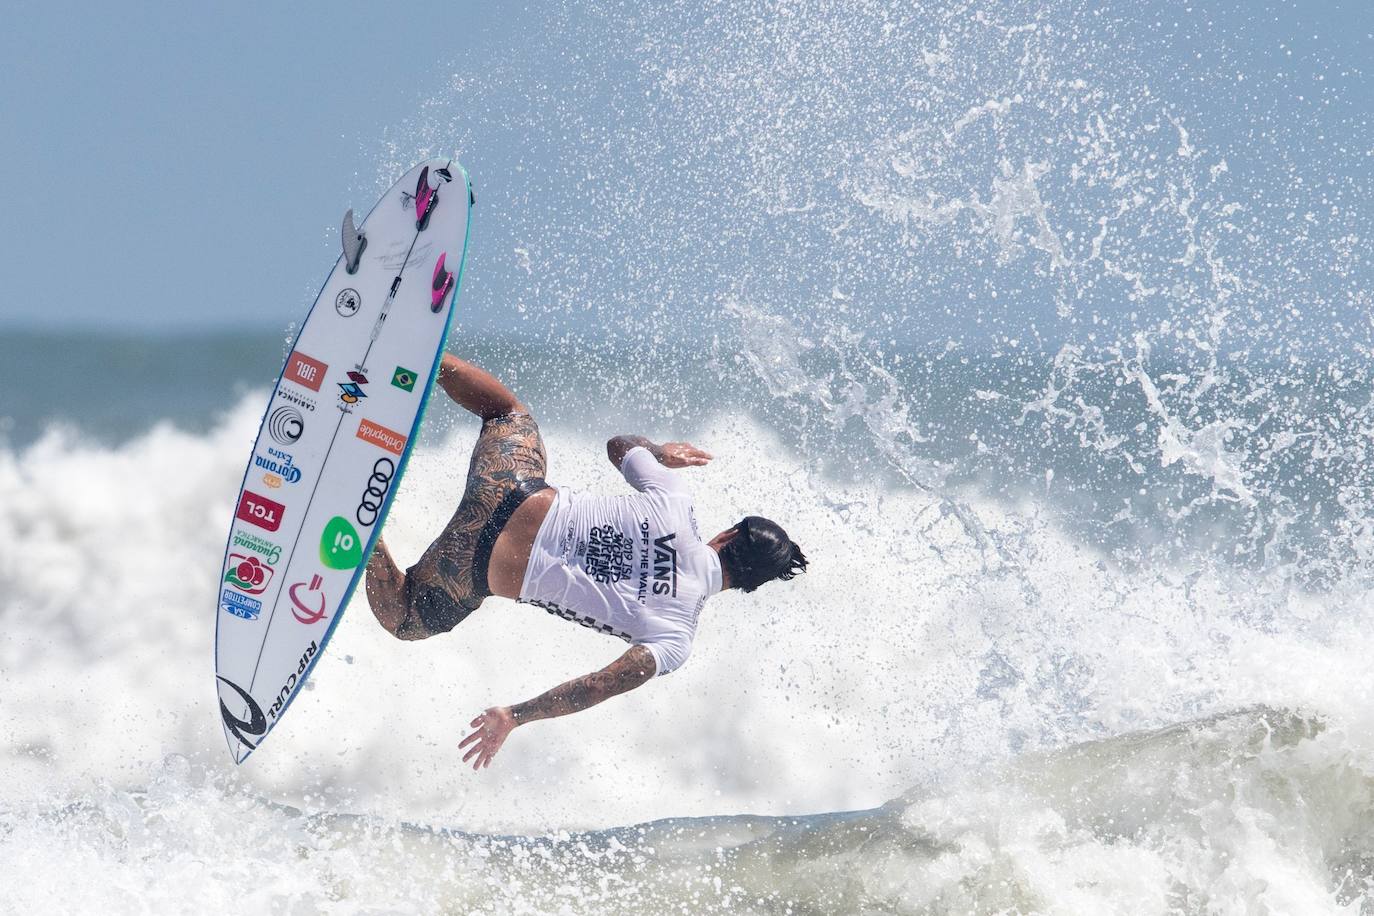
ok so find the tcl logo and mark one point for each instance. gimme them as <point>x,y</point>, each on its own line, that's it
<point>260,511</point>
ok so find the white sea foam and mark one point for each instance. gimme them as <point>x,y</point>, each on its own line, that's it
<point>902,659</point>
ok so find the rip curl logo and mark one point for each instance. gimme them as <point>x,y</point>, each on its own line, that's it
<point>293,680</point>
<point>609,555</point>
<point>255,726</point>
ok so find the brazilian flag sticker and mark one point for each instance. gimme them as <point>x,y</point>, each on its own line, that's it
<point>404,378</point>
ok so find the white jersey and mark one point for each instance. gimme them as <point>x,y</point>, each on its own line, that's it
<point>633,566</point>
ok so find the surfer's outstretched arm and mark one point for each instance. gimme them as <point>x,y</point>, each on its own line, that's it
<point>669,454</point>
<point>632,669</point>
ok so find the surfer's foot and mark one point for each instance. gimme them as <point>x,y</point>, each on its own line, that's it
<point>477,390</point>
<point>386,589</point>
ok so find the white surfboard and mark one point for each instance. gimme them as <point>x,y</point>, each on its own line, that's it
<point>333,445</point>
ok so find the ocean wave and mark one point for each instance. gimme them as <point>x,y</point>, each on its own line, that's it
<point>1255,810</point>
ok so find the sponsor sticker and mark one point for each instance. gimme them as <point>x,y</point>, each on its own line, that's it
<point>381,437</point>
<point>255,726</point>
<point>240,605</point>
<point>285,425</point>
<point>248,574</point>
<point>308,600</point>
<point>665,565</point>
<point>404,378</point>
<point>270,552</point>
<point>340,546</point>
<point>347,302</point>
<point>351,391</point>
<point>306,371</point>
<point>374,495</point>
<point>292,396</point>
<point>292,680</point>
<point>260,511</point>
<point>279,464</point>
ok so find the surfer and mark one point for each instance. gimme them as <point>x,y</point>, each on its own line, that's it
<point>631,566</point>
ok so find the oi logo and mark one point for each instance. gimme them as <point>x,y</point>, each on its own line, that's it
<point>340,546</point>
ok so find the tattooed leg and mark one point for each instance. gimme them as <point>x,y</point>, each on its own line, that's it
<point>450,580</point>
<point>476,389</point>
<point>386,592</point>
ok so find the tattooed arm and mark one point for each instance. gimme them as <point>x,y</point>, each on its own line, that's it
<point>670,454</point>
<point>626,673</point>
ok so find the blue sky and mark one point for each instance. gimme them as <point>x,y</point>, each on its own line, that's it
<point>639,165</point>
<point>207,147</point>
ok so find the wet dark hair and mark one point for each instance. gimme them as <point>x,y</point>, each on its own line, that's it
<point>759,553</point>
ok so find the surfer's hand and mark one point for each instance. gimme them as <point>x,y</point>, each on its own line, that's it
<point>681,455</point>
<point>491,729</point>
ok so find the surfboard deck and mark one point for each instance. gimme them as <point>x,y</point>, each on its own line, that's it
<point>333,445</point>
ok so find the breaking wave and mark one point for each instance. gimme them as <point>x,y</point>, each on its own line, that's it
<point>1045,334</point>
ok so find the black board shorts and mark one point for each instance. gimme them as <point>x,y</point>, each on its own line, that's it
<point>450,580</point>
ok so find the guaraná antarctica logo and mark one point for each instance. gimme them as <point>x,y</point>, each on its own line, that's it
<point>269,551</point>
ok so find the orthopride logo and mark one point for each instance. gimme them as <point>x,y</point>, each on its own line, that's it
<point>381,437</point>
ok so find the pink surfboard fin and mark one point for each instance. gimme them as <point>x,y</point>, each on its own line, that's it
<point>425,199</point>
<point>440,286</point>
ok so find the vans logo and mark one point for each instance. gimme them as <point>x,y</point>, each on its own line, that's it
<point>665,565</point>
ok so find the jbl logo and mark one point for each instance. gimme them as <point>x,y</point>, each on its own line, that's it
<point>303,370</point>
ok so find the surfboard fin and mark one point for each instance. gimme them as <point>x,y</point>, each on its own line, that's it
<point>427,193</point>
<point>440,286</point>
<point>354,243</point>
<point>426,199</point>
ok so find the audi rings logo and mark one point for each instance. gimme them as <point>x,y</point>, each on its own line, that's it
<point>375,494</point>
<point>286,425</point>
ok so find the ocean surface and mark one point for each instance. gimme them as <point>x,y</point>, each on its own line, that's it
<point>1046,337</point>
<point>1026,672</point>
